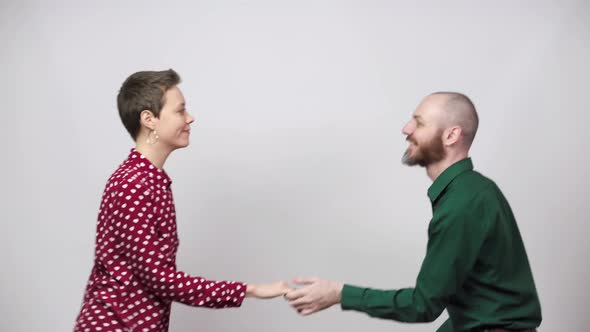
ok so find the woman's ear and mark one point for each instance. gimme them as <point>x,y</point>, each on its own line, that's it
<point>146,119</point>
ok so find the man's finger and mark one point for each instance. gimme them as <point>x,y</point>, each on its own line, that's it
<point>307,311</point>
<point>300,301</point>
<point>293,295</point>
<point>305,281</point>
<point>301,307</point>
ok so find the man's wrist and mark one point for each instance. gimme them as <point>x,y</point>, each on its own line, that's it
<point>338,289</point>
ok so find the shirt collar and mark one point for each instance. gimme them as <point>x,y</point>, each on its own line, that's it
<point>447,176</point>
<point>141,162</point>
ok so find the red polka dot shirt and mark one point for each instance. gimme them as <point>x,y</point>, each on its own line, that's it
<point>134,279</point>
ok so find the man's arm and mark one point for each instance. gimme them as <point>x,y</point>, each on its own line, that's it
<point>453,246</point>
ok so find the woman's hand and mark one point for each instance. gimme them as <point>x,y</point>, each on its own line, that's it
<point>267,291</point>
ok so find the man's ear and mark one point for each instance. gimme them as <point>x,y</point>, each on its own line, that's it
<point>452,135</point>
<point>146,119</point>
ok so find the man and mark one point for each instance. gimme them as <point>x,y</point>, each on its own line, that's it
<point>475,266</point>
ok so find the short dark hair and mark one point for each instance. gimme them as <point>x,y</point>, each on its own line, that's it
<point>141,91</point>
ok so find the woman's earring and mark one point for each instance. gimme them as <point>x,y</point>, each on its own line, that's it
<point>149,140</point>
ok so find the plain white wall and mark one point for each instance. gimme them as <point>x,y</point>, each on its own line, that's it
<point>294,167</point>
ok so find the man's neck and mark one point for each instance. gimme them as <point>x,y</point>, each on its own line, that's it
<point>156,156</point>
<point>434,170</point>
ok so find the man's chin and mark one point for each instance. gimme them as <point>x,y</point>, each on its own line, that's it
<point>408,160</point>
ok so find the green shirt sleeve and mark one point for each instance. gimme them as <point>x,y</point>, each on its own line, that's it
<point>453,243</point>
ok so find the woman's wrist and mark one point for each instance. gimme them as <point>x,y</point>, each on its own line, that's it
<point>250,289</point>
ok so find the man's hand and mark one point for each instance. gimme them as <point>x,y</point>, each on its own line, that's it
<point>267,291</point>
<point>318,294</point>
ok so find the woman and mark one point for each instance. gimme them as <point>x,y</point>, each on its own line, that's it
<point>134,279</point>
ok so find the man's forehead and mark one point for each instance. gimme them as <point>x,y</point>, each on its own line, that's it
<point>430,107</point>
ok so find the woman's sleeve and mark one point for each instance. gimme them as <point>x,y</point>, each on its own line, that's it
<point>151,257</point>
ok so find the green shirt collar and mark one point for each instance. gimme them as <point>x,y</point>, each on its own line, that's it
<point>447,176</point>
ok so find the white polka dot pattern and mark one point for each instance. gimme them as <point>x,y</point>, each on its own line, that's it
<point>134,279</point>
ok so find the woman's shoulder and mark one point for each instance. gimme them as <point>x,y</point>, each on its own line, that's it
<point>129,173</point>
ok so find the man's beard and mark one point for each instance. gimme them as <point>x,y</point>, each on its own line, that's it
<point>425,154</point>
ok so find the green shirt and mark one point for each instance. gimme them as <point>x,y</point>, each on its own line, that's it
<point>475,266</point>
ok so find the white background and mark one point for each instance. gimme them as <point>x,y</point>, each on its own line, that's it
<point>294,167</point>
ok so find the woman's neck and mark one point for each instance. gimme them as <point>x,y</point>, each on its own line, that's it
<point>154,153</point>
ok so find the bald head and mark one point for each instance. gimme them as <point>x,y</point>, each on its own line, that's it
<point>456,109</point>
